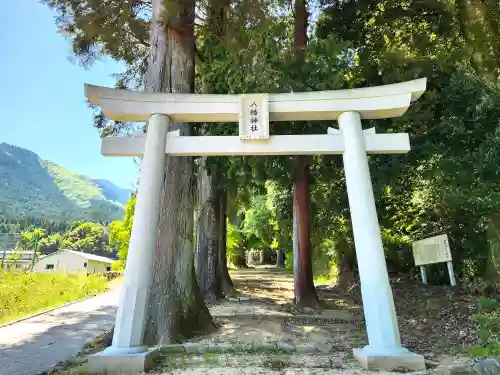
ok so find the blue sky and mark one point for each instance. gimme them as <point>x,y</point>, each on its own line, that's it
<point>42,104</point>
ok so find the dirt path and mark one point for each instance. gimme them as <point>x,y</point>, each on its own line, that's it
<point>39,343</point>
<point>265,315</point>
<point>269,316</point>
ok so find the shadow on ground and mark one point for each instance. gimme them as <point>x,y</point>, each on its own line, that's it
<point>435,321</point>
<point>42,348</point>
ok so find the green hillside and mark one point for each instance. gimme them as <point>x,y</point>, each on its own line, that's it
<point>33,187</point>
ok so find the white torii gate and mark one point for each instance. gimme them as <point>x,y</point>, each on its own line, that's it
<point>253,112</point>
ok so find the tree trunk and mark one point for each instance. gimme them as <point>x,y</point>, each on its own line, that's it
<point>211,265</point>
<point>176,306</point>
<point>280,258</point>
<point>300,27</point>
<point>305,293</point>
<point>227,283</point>
<point>207,237</point>
<point>345,272</point>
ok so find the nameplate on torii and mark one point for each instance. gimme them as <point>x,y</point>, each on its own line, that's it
<point>254,116</point>
<point>316,144</point>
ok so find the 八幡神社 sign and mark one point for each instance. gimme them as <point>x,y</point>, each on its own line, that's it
<point>254,116</point>
<point>433,250</point>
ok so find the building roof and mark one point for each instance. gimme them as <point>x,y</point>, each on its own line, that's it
<point>96,258</point>
<point>24,255</point>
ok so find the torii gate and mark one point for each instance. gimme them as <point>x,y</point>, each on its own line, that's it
<point>253,113</point>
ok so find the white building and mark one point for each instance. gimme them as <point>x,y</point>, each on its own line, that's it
<point>73,261</point>
<point>16,260</point>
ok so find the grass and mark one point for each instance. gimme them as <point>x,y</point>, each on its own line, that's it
<point>324,279</point>
<point>328,276</point>
<point>22,294</point>
<point>325,270</point>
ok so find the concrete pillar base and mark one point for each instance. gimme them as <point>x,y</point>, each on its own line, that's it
<point>113,363</point>
<point>390,360</point>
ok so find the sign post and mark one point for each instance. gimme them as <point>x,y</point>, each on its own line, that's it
<point>433,250</point>
<point>453,281</point>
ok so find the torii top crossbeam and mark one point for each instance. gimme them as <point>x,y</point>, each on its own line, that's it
<point>370,102</point>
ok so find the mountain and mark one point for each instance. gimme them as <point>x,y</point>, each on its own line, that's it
<point>33,187</point>
<point>113,192</point>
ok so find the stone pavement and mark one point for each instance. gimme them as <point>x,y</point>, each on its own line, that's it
<point>37,344</point>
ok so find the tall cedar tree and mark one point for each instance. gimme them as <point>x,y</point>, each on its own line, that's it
<point>304,291</point>
<point>210,255</point>
<point>176,306</point>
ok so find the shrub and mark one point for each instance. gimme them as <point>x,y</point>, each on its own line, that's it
<point>235,249</point>
<point>488,320</point>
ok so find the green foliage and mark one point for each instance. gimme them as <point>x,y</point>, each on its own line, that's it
<point>119,234</point>
<point>115,28</point>
<point>87,237</point>
<point>235,248</point>
<point>488,320</point>
<point>461,181</point>
<point>30,240</point>
<point>257,226</point>
<point>32,187</point>
<point>22,294</point>
<point>45,242</point>
<point>50,243</point>
<point>446,183</point>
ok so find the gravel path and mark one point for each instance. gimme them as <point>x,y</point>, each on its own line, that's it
<point>37,344</point>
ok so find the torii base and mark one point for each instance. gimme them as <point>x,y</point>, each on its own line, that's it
<point>389,362</point>
<point>108,363</point>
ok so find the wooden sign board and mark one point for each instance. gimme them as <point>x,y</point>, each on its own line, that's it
<point>432,250</point>
<point>254,116</point>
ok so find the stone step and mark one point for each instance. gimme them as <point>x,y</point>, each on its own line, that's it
<point>255,371</point>
<point>248,348</point>
<point>255,364</point>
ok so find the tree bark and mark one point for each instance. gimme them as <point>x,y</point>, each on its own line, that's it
<point>346,273</point>
<point>304,291</point>
<point>227,283</point>
<point>207,237</point>
<point>300,27</point>
<point>176,306</point>
<point>211,265</point>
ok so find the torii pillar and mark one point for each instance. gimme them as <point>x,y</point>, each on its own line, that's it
<point>384,350</point>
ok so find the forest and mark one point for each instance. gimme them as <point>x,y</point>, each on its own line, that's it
<point>448,182</point>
